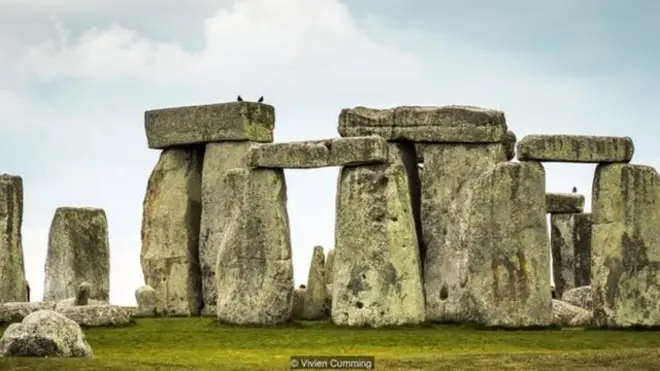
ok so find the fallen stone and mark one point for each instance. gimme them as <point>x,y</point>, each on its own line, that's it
<point>448,124</point>
<point>451,171</point>
<point>510,145</point>
<point>329,266</point>
<point>575,148</point>
<point>170,232</point>
<point>97,315</point>
<point>570,240</point>
<point>298,304</point>
<point>71,302</point>
<point>146,299</point>
<point>12,269</point>
<point>216,211</point>
<point>254,271</point>
<point>316,294</point>
<point>625,250</point>
<point>235,121</point>
<point>508,276</point>
<point>377,278</point>
<point>581,297</point>
<point>78,251</point>
<point>564,203</point>
<point>319,153</point>
<point>568,315</point>
<point>45,333</point>
<point>16,311</point>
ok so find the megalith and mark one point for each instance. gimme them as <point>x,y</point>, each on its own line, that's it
<point>170,232</point>
<point>254,271</point>
<point>575,148</point>
<point>13,287</point>
<point>507,281</point>
<point>625,250</point>
<point>329,266</point>
<point>570,239</point>
<point>78,251</point>
<point>316,290</point>
<point>377,274</point>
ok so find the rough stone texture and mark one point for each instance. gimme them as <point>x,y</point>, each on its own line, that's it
<point>254,271</point>
<point>316,292</point>
<point>319,153</point>
<point>216,202</point>
<point>78,251</point>
<point>625,250</point>
<point>329,266</point>
<point>447,182</point>
<point>506,234</point>
<point>448,124</point>
<point>377,278</point>
<point>570,239</point>
<point>82,296</point>
<point>16,311</point>
<point>45,333</point>
<point>564,203</point>
<point>12,269</point>
<point>97,315</point>
<point>510,145</point>
<point>582,297</point>
<point>235,121</point>
<point>170,232</point>
<point>569,315</point>
<point>298,303</point>
<point>575,148</point>
<point>71,302</point>
<point>146,299</point>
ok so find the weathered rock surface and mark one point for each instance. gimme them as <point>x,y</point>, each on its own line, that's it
<point>12,269</point>
<point>448,124</point>
<point>254,271</point>
<point>319,153</point>
<point>82,296</point>
<point>329,266</point>
<point>78,251</point>
<point>234,121</point>
<point>508,276</point>
<point>71,302</point>
<point>582,297</point>
<point>298,303</point>
<point>146,299</point>
<point>510,145</point>
<point>316,292</point>
<point>575,148</point>
<point>16,311</point>
<point>97,315</point>
<point>216,211</point>
<point>45,333</point>
<point>170,232</point>
<point>450,174</point>
<point>568,315</point>
<point>377,278</point>
<point>564,203</point>
<point>625,250</point>
<point>570,240</point>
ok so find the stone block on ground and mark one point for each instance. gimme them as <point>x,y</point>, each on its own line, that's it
<point>78,251</point>
<point>97,315</point>
<point>567,315</point>
<point>316,291</point>
<point>12,269</point>
<point>254,271</point>
<point>234,121</point>
<point>170,232</point>
<point>570,240</point>
<point>582,297</point>
<point>447,124</point>
<point>16,311</point>
<point>575,148</point>
<point>319,153</point>
<point>564,203</point>
<point>625,250</point>
<point>146,299</point>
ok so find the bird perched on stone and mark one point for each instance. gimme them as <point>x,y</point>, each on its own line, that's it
<point>239,99</point>
<point>574,190</point>
<point>261,100</point>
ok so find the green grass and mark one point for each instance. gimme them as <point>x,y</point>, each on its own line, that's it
<point>202,344</point>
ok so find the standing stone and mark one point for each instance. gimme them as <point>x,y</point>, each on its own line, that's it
<point>12,269</point>
<point>625,253</point>
<point>570,238</point>
<point>146,299</point>
<point>78,251</point>
<point>450,172</point>
<point>316,292</point>
<point>254,271</point>
<point>377,275</point>
<point>82,295</point>
<point>298,304</point>
<point>329,266</point>
<point>507,282</point>
<point>170,232</point>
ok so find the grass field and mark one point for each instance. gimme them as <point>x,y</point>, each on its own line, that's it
<point>202,344</point>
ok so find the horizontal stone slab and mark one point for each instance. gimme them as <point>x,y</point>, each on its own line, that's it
<point>575,148</point>
<point>443,124</point>
<point>564,203</point>
<point>235,121</point>
<point>319,153</point>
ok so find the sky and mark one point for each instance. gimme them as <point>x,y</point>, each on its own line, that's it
<point>77,75</point>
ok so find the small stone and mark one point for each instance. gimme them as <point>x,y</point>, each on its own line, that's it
<point>582,297</point>
<point>82,297</point>
<point>575,148</point>
<point>564,203</point>
<point>568,315</point>
<point>146,299</point>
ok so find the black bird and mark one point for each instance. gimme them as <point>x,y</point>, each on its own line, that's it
<point>239,99</point>
<point>261,100</point>
<point>574,190</point>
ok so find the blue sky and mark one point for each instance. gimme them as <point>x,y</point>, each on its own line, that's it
<point>77,75</point>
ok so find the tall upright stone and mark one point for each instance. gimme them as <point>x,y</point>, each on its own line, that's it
<point>329,266</point>
<point>13,286</point>
<point>507,281</point>
<point>377,274</point>
<point>254,271</point>
<point>570,239</point>
<point>78,251</point>
<point>625,253</point>
<point>316,292</point>
<point>170,232</point>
